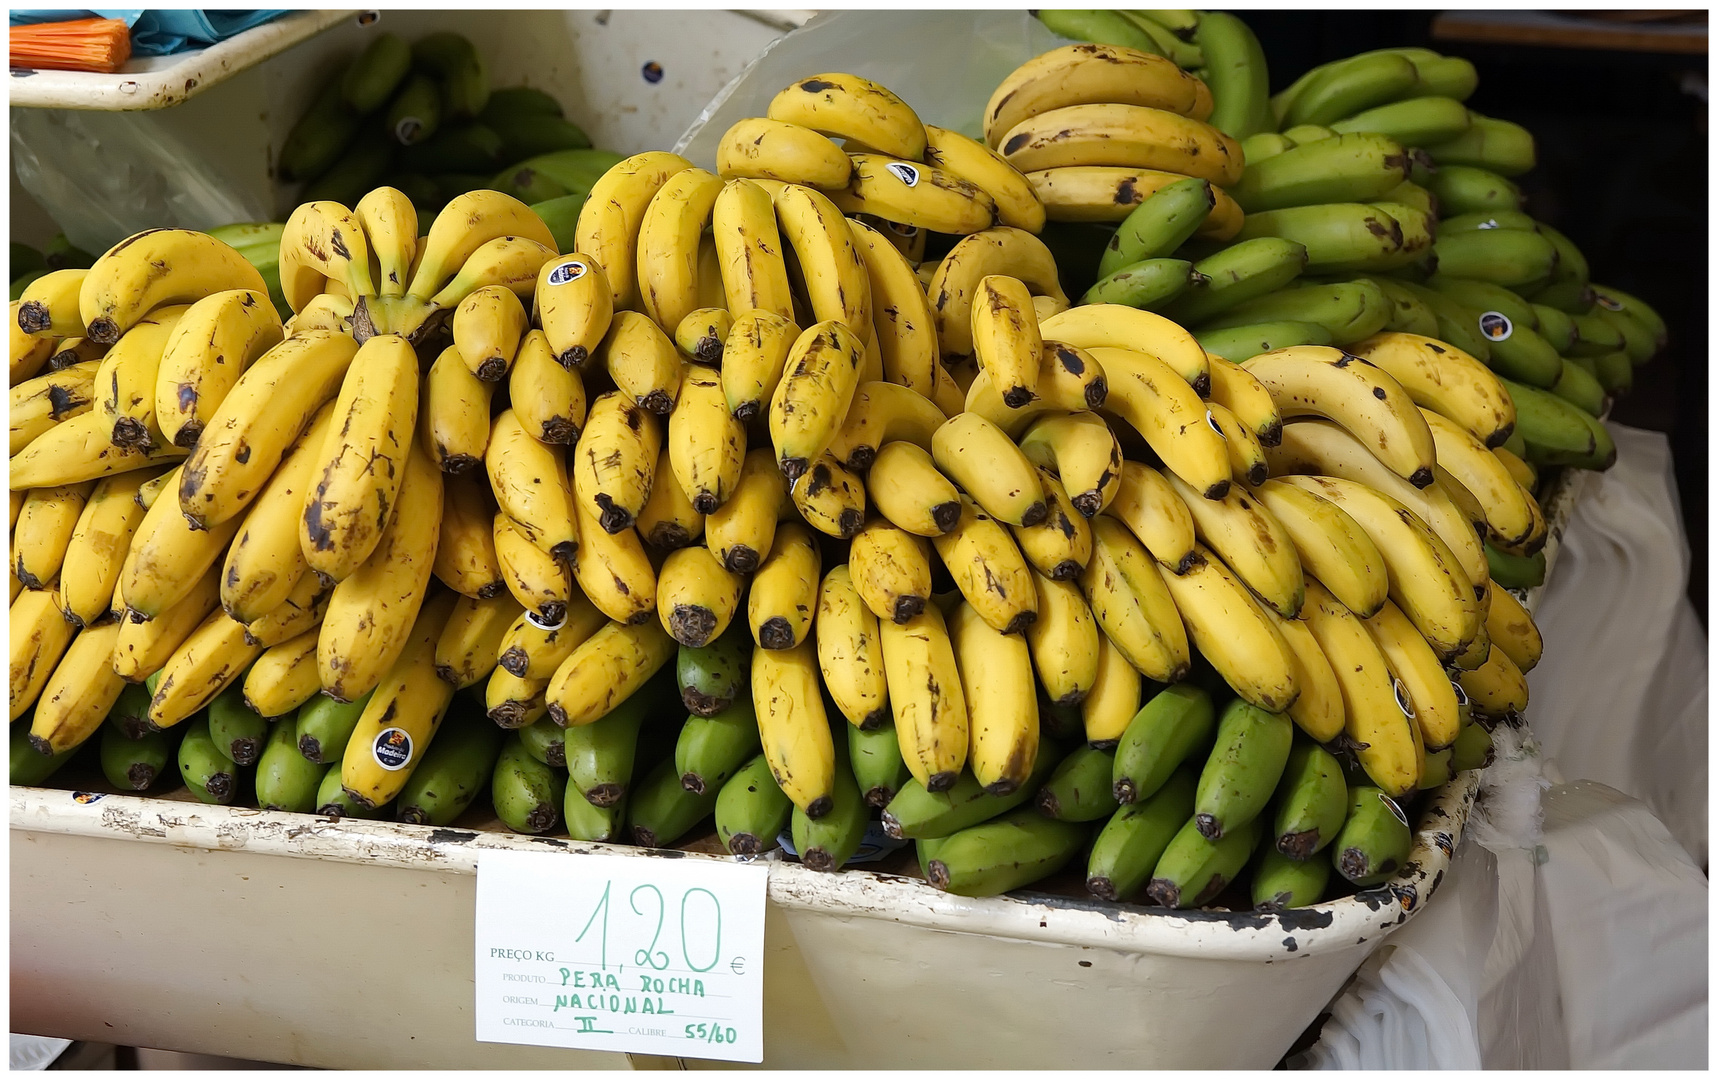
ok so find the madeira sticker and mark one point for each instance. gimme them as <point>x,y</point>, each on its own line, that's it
<point>571,270</point>
<point>1607,302</point>
<point>1495,325</point>
<point>1403,701</point>
<point>906,174</point>
<point>1394,808</point>
<point>392,748</point>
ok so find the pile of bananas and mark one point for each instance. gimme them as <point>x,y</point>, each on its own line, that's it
<point>784,494</point>
<point>421,117</point>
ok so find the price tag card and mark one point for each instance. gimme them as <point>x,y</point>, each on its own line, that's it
<point>611,952</point>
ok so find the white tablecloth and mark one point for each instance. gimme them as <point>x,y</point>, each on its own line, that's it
<point>1581,944</point>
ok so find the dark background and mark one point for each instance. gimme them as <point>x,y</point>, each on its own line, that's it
<point>1622,170</point>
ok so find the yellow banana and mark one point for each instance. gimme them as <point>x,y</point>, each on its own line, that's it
<point>79,449</point>
<point>487,326</point>
<point>548,399</point>
<point>38,404</point>
<point>539,581</point>
<point>470,642</point>
<point>1231,630</point>
<point>167,557</point>
<point>1246,454</point>
<point>701,334</point>
<point>1089,74</point>
<point>154,268</point>
<point>513,702</point>
<point>783,597</point>
<point>511,262</point>
<point>216,653</point>
<point>742,530</point>
<point>989,569</point>
<point>706,445</point>
<point>464,226</point>
<point>1505,502</point>
<point>532,486</point>
<point>49,306</point>
<point>605,670</point>
<point>390,224</point>
<point>1246,399</point>
<point>830,498</point>
<point>1069,379</point>
<point>614,462</point>
<point>29,354</point>
<point>852,108</point>
<point>1017,206</point>
<point>453,415</point>
<point>797,742</point>
<point>1109,193</point>
<point>610,219</point>
<point>753,358</point>
<point>1065,643</point>
<point>1436,711</point>
<point>1114,326</point>
<point>212,344</point>
<point>356,476</point>
<point>812,399</point>
<point>1114,134</point>
<point>574,307</point>
<point>143,647</point>
<point>284,677</point>
<point>979,456</point>
<point>40,635</point>
<point>1375,718</point>
<point>850,652</point>
<point>1152,397</point>
<point>669,520</point>
<point>760,148</point>
<point>1496,688</point>
<point>43,531</point>
<point>323,312</point>
<point>465,558</point>
<point>96,552</point>
<point>533,649</point>
<point>903,329</point>
<point>834,274</point>
<point>891,570</point>
<point>904,484</point>
<point>1513,631</point>
<point>921,196</point>
<point>1059,546</point>
<point>1002,701</point>
<point>270,405</point>
<point>1317,709</point>
<point>1081,451</point>
<point>1442,378</point>
<point>303,609</point>
<point>1148,505</point>
<point>613,569</point>
<point>125,382</point>
<point>954,285</point>
<point>748,241</point>
<point>1114,699</point>
<point>668,245</point>
<point>1329,545</point>
<point>1005,338</point>
<point>926,697</point>
<point>371,612</point>
<point>643,362</point>
<point>323,238</point>
<point>1253,544</point>
<point>402,716</point>
<point>696,596</point>
<point>1132,604</point>
<point>883,412</point>
<point>77,696</point>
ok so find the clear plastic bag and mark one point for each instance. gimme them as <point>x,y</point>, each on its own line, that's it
<point>103,176</point>
<point>945,64</point>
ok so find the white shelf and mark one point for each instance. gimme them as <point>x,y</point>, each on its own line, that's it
<point>157,82</point>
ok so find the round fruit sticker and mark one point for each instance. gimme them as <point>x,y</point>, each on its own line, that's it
<point>1403,702</point>
<point>1607,303</point>
<point>1390,804</point>
<point>1495,325</point>
<point>392,748</point>
<point>1212,420</point>
<point>571,270</point>
<point>406,131</point>
<point>906,174</point>
<point>908,231</point>
<point>542,624</point>
<point>1461,695</point>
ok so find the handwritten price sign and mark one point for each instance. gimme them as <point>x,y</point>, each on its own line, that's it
<point>618,953</point>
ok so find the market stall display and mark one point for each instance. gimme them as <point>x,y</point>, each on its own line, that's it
<point>1133,500</point>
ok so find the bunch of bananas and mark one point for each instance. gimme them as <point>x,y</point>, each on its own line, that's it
<point>421,117</point>
<point>782,494</point>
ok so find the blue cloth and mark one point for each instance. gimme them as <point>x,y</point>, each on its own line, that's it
<point>158,33</point>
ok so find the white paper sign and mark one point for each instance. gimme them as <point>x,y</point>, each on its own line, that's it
<point>621,953</point>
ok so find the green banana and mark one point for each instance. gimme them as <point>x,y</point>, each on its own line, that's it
<point>1237,73</point>
<point>1350,311</point>
<point>1264,144</point>
<point>1466,189</point>
<point>601,754</point>
<point>1237,274</point>
<point>455,61</point>
<point>527,136</point>
<point>453,770</point>
<point>829,841</point>
<point>1418,232</point>
<point>1518,351</point>
<point>545,740</point>
<point>61,254</point>
<point>376,73</point>
<point>561,215</point>
<point>1508,257</point>
<point>1471,750</point>
<point>877,763</point>
<point>1159,224</point>
<point>994,857</point>
<point>917,814</point>
<point>712,748</point>
<point>1616,300</point>
<point>134,764</point>
<point>1241,774</point>
<point>1349,87</point>
<point>1488,143</point>
<point>238,730</point>
<point>1351,168</point>
<point>1444,76</point>
<point>1436,772</point>
<point>1280,882</point>
<point>1148,284</point>
<point>712,676</point>
<point>1173,725</point>
<point>1186,55</point>
<point>1580,388</point>
<point>1637,339</point>
<point>415,113</point>
<point>1375,839</point>
<point>464,148</point>
<point>1103,27</point>
<point>1478,296</point>
<point>662,810</point>
<point>1555,326</point>
<point>333,801</point>
<point>130,712</point>
<point>1131,841</point>
<point>1418,121</point>
<point>1615,372</point>
<point>1081,787</point>
<point>1312,800</point>
<point>358,170</point>
<point>1456,324</point>
<point>285,781</point>
<point>210,774</point>
<point>594,824</point>
<point>1489,219</point>
<point>319,137</point>
<point>751,811</point>
<point>1337,236</point>
<point>1408,313</point>
<point>1547,421</point>
<point>527,184</point>
<point>1515,571</point>
<point>325,726</point>
<point>1601,457</point>
<point>27,767</point>
<point>24,259</point>
<point>1301,134</point>
<point>520,101</point>
<point>1594,335</point>
<point>574,169</point>
<point>1193,871</point>
<point>527,793</point>
<point>1569,297</point>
